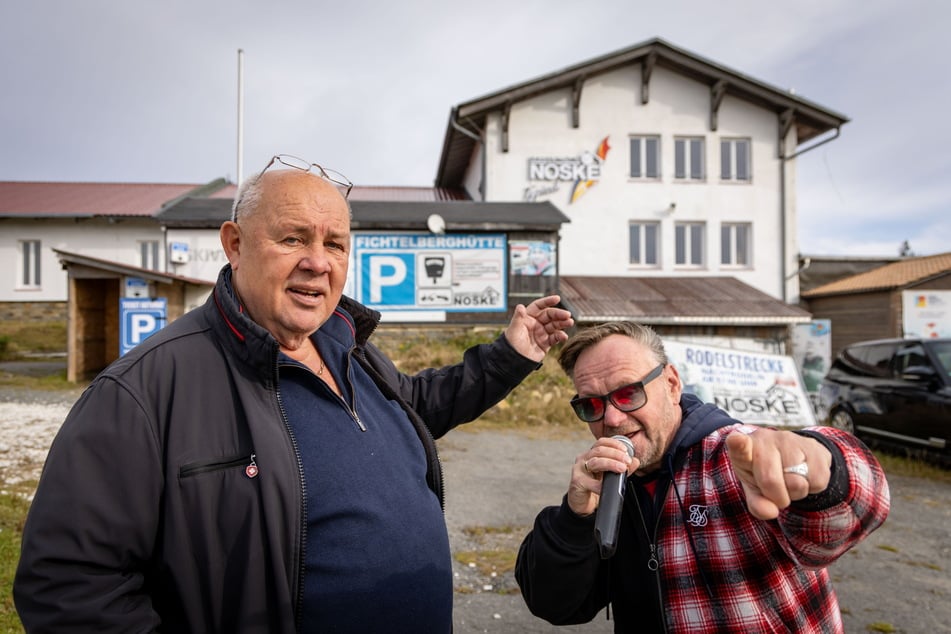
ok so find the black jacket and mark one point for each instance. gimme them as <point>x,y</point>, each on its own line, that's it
<point>145,517</point>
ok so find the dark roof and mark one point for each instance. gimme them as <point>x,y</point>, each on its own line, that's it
<point>67,257</point>
<point>810,119</point>
<point>903,273</point>
<point>395,215</point>
<point>675,301</point>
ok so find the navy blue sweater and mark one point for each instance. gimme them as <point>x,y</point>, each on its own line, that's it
<point>378,556</point>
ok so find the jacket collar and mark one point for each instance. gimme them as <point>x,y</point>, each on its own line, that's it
<point>255,345</point>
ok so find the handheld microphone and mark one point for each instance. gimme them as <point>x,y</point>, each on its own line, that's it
<point>608,519</point>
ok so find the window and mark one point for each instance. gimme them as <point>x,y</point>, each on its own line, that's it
<point>148,254</point>
<point>909,356</point>
<point>29,264</point>
<point>735,159</point>
<point>645,157</point>
<point>643,243</point>
<point>874,359</point>
<point>688,158</point>
<point>735,244</point>
<point>688,241</point>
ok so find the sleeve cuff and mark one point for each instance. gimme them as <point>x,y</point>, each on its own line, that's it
<point>838,489</point>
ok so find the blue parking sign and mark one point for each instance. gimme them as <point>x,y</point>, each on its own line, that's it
<point>388,279</point>
<point>139,318</point>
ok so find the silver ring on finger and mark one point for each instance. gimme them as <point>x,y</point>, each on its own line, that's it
<point>801,469</point>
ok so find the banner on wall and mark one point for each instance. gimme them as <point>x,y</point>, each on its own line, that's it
<point>532,257</point>
<point>753,387</point>
<point>926,314</point>
<point>426,272</point>
<point>812,351</point>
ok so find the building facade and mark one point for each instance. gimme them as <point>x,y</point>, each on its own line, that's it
<point>666,164</point>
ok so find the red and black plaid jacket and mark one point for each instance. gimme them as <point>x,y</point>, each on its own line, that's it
<point>719,569</point>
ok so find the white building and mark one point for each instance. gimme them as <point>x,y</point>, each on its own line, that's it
<point>667,164</point>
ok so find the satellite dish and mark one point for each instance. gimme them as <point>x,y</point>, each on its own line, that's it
<point>436,224</point>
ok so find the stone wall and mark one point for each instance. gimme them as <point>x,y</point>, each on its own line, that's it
<point>33,311</point>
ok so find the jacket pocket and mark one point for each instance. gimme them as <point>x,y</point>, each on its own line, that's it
<point>245,461</point>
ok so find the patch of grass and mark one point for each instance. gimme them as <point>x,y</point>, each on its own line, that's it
<point>497,548</point>
<point>539,405</point>
<point>925,564</point>
<point>55,381</point>
<point>13,510</point>
<point>879,626</point>
<point>18,338</point>
<point>499,561</point>
<point>910,466</point>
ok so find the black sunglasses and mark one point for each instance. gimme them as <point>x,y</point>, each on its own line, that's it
<point>626,398</point>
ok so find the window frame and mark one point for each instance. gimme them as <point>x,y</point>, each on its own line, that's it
<point>643,162</point>
<point>149,255</point>
<point>732,173</point>
<point>685,157</point>
<point>644,244</point>
<point>29,264</point>
<point>729,252</point>
<point>686,244</point>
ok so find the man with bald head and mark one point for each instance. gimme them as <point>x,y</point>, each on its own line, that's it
<point>258,465</point>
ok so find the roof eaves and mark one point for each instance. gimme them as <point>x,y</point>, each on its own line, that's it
<point>126,269</point>
<point>667,54</point>
<point>812,119</point>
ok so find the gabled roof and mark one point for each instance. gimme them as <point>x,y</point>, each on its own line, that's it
<point>459,215</point>
<point>721,301</point>
<point>901,274</point>
<point>83,200</point>
<point>467,119</point>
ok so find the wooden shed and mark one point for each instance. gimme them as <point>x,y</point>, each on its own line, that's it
<point>869,305</point>
<point>93,316</point>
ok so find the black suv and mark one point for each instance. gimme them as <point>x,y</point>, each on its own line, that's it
<point>892,392</point>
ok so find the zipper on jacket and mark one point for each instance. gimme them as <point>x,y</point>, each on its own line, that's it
<point>218,465</point>
<point>353,392</point>
<point>350,408</point>
<point>653,564</point>
<point>302,528</point>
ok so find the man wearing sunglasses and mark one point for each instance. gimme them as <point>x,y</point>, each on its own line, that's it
<point>725,527</point>
<point>258,465</point>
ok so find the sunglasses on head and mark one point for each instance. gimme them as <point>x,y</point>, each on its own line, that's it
<point>626,398</point>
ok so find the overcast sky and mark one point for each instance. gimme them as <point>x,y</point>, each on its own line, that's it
<point>135,91</point>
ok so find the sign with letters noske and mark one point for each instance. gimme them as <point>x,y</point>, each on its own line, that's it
<point>426,272</point>
<point>753,387</point>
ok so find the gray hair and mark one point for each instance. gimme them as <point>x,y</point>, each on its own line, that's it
<point>587,337</point>
<point>248,197</point>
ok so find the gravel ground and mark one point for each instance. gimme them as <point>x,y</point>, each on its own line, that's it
<point>497,482</point>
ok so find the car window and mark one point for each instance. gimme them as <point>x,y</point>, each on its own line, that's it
<point>942,350</point>
<point>908,356</point>
<point>874,359</point>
